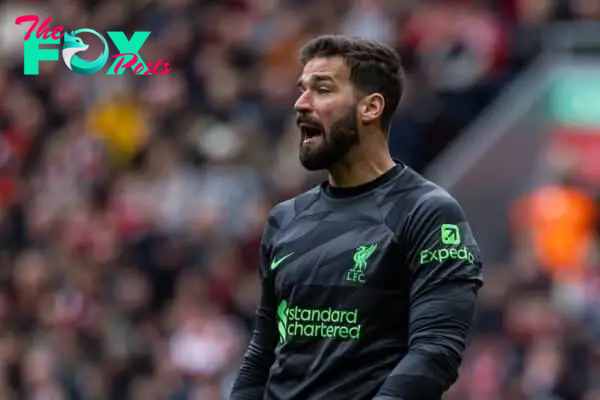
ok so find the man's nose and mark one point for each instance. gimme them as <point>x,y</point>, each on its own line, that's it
<point>303,104</point>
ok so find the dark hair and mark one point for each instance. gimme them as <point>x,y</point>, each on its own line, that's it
<point>374,67</point>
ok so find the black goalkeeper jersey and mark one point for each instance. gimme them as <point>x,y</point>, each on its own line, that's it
<point>368,293</point>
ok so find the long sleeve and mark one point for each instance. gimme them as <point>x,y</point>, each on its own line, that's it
<point>446,275</point>
<point>254,371</point>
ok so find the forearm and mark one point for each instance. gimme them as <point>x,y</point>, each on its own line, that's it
<point>441,321</point>
<point>254,371</point>
<point>419,376</point>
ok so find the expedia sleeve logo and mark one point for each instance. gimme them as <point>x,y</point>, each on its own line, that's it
<point>453,247</point>
<point>322,323</point>
<point>441,255</point>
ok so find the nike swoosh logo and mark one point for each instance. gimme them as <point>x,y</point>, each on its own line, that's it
<point>276,263</point>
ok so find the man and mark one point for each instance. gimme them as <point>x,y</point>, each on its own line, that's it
<point>369,280</point>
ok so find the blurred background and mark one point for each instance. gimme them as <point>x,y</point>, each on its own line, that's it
<point>131,208</point>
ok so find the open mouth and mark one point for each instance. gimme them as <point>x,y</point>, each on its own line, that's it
<point>310,131</point>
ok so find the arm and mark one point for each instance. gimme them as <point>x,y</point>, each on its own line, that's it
<point>446,275</point>
<point>254,371</point>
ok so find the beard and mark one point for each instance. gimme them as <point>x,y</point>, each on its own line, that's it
<point>334,146</point>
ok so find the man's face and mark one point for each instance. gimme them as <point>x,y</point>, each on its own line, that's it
<point>326,113</point>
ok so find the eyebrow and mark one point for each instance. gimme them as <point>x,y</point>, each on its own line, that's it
<point>315,79</point>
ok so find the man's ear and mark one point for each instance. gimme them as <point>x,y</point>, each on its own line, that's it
<point>371,107</point>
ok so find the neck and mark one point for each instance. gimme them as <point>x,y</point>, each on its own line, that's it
<point>361,167</point>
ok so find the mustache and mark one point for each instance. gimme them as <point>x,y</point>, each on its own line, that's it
<point>304,119</point>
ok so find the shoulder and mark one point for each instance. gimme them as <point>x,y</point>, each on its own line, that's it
<point>435,201</point>
<point>286,211</point>
<point>415,198</point>
<point>436,213</point>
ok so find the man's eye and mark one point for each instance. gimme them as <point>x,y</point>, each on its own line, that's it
<point>322,89</point>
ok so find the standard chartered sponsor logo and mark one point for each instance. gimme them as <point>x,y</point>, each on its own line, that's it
<point>440,255</point>
<point>325,323</point>
<point>282,321</point>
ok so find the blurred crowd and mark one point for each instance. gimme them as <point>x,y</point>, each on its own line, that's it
<point>131,208</point>
<point>537,333</point>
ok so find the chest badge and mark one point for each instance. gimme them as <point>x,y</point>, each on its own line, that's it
<point>361,257</point>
